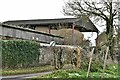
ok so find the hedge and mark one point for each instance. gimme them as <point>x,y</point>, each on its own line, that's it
<point>19,53</point>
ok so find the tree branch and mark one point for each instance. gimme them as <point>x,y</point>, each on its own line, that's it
<point>93,12</point>
<point>97,9</point>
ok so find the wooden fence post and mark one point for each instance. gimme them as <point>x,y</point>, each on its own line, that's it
<point>90,62</point>
<point>105,59</point>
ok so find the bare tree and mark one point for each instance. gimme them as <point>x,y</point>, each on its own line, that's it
<point>100,9</point>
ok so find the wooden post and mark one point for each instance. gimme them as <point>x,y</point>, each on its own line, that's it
<point>90,62</point>
<point>58,29</point>
<point>105,59</point>
<point>49,30</point>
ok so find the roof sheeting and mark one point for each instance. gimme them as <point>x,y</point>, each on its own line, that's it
<point>80,22</point>
<point>43,21</point>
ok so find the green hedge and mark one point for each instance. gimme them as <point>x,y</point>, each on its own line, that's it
<point>19,53</point>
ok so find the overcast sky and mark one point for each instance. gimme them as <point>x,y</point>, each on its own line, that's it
<point>30,9</point>
<point>33,9</point>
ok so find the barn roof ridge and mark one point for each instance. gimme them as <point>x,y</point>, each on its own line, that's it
<point>84,22</point>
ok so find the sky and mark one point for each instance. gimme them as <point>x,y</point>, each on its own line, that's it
<point>34,9</point>
<point>30,9</point>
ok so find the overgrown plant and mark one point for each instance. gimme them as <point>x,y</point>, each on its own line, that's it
<point>105,10</point>
<point>19,53</point>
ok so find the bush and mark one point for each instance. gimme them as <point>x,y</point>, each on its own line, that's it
<point>19,53</point>
<point>95,65</point>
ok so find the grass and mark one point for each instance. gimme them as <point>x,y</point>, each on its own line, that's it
<point>6,72</point>
<point>111,72</point>
<point>77,74</point>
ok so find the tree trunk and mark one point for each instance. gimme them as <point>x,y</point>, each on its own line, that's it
<point>110,32</point>
<point>110,38</point>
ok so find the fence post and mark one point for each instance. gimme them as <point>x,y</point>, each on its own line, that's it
<point>90,62</point>
<point>105,59</point>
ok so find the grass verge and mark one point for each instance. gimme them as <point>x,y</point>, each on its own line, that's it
<point>109,74</point>
<point>6,72</point>
<point>77,74</point>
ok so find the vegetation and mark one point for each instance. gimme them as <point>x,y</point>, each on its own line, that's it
<point>105,10</point>
<point>6,72</point>
<point>110,72</point>
<point>19,53</point>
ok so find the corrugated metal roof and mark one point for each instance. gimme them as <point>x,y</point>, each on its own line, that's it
<point>43,21</point>
<point>80,22</point>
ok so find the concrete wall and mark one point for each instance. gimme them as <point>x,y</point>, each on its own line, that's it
<point>21,33</point>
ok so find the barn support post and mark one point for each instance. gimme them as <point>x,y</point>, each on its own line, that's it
<point>49,29</point>
<point>73,26</point>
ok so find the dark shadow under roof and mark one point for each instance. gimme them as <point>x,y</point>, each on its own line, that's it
<point>80,22</point>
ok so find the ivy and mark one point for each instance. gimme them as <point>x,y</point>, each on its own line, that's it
<point>19,53</point>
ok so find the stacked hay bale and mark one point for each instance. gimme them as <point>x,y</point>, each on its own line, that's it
<point>70,37</point>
